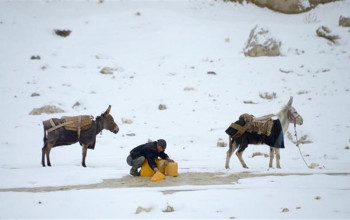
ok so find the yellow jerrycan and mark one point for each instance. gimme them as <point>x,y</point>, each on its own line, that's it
<point>158,176</point>
<point>171,169</point>
<point>146,170</point>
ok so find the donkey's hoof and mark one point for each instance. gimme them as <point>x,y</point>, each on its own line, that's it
<point>83,165</point>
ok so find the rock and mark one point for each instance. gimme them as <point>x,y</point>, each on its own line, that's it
<point>318,197</point>
<point>34,94</point>
<point>35,57</point>
<point>78,105</point>
<point>127,121</point>
<point>261,43</point>
<point>106,70</point>
<point>162,107</point>
<point>141,209</point>
<point>313,165</point>
<point>211,73</point>
<point>63,33</point>
<point>169,209</point>
<point>249,102</point>
<point>285,210</point>
<point>344,21</point>
<point>48,109</point>
<point>221,143</point>
<point>286,6</point>
<point>268,96</point>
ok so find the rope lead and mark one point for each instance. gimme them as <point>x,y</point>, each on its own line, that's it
<point>297,143</point>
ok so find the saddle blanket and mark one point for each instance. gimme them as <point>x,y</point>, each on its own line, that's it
<point>75,123</point>
<point>249,123</point>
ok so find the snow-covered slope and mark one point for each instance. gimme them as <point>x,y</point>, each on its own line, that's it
<point>161,53</point>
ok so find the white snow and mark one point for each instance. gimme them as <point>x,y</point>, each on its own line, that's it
<point>155,55</point>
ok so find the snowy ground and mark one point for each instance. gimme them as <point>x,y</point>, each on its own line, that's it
<point>160,53</point>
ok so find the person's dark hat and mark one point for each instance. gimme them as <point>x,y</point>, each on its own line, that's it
<point>162,143</point>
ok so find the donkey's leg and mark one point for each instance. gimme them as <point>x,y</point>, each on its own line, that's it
<point>49,146</point>
<point>239,154</point>
<point>278,157</point>
<point>85,147</point>
<point>232,148</point>
<point>43,155</point>
<point>272,155</point>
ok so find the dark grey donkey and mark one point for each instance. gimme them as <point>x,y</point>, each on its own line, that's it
<point>56,133</point>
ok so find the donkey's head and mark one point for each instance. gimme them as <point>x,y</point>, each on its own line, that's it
<point>289,115</point>
<point>292,114</point>
<point>108,121</point>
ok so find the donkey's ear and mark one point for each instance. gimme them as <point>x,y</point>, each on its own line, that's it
<point>290,102</point>
<point>108,110</point>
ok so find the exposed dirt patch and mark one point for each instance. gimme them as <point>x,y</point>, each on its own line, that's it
<point>191,178</point>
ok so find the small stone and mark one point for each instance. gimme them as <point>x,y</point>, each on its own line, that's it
<point>63,33</point>
<point>221,143</point>
<point>318,197</point>
<point>169,209</point>
<point>313,165</point>
<point>127,121</point>
<point>344,21</point>
<point>141,209</point>
<point>35,58</point>
<point>268,96</point>
<point>106,70</point>
<point>77,104</point>
<point>285,210</point>
<point>162,107</point>
<point>211,73</point>
<point>34,94</point>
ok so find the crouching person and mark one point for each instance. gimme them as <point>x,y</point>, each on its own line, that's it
<point>150,151</point>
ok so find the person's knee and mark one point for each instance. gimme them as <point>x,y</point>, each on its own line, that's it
<point>128,160</point>
<point>138,161</point>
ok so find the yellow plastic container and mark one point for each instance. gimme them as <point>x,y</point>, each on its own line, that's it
<point>171,169</point>
<point>146,170</point>
<point>158,176</point>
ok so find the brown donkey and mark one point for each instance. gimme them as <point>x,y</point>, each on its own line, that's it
<point>70,130</point>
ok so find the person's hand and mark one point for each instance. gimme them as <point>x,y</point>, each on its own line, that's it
<point>155,169</point>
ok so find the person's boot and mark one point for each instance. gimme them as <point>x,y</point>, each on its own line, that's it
<point>134,172</point>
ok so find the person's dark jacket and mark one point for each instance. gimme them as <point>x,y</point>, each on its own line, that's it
<point>150,152</point>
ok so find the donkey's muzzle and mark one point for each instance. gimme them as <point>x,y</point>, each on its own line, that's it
<point>116,130</point>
